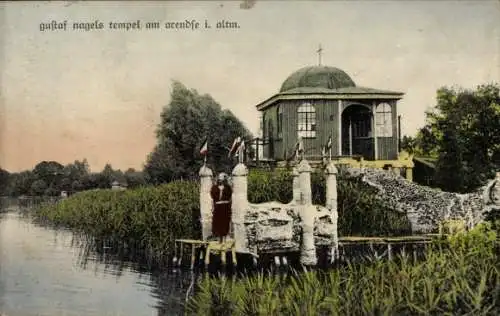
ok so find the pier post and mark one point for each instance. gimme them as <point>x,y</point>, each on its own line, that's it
<point>332,205</point>
<point>409,174</point>
<point>396,169</point>
<point>240,206</point>
<point>205,201</point>
<point>307,214</point>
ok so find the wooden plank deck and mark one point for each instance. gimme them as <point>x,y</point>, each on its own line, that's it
<point>210,247</point>
<point>385,240</point>
<point>221,249</point>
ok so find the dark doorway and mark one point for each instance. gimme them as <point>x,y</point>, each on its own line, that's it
<point>357,132</point>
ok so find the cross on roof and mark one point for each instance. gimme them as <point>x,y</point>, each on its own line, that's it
<point>319,51</point>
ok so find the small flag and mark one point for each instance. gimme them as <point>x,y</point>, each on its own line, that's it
<point>241,148</point>
<point>300,145</point>
<point>329,143</point>
<point>204,148</point>
<point>235,146</point>
<point>240,152</point>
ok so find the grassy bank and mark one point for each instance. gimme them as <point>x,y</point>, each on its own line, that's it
<point>151,218</point>
<point>459,277</point>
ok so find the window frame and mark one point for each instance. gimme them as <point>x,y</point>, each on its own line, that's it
<point>383,119</point>
<point>306,124</point>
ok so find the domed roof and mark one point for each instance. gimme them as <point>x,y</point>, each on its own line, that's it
<point>317,77</point>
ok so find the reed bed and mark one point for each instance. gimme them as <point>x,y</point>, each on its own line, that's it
<point>459,276</point>
<point>147,218</point>
<point>150,218</point>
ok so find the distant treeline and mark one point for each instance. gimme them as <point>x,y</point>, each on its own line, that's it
<point>51,178</point>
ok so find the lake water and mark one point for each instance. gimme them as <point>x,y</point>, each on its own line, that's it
<point>47,272</point>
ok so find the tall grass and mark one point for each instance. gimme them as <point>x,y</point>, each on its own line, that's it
<point>150,218</point>
<point>147,218</point>
<point>458,277</point>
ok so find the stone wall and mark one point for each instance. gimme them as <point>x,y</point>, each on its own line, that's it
<point>426,207</point>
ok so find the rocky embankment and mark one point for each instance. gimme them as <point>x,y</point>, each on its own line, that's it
<point>426,207</point>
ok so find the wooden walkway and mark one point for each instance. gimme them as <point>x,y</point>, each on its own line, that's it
<point>385,240</point>
<point>216,247</point>
<point>222,249</point>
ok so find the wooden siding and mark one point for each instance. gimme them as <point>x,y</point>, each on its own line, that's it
<point>327,118</point>
<point>385,148</point>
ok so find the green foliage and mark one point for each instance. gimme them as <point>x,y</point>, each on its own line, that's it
<point>265,186</point>
<point>185,123</point>
<point>20,183</point>
<point>463,132</point>
<point>458,277</point>
<point>4,181</point>
<point>38,187</point>
<point>147,218</point>
<point>409,144</point>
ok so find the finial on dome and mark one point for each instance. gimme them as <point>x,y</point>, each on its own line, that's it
<point>319,51</point>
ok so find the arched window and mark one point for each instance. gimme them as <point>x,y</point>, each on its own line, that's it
<point>383,120</point>
<point>306,121</point>
<point>279,117</point>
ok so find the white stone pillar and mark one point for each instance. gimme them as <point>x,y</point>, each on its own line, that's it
<point>307,214</point>
<point>305,170</point>
<point>332,205</point>
<point>331,186</point>
<point>296,187</point>
<point>240,206</point>
<point>205,201</point>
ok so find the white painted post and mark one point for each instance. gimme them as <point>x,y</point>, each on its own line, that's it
<point>205,201</point>
<point>332,205</point>
<point>307,214</point>
<point>240,206</point>
<point>331,186</point>
<point>296,186</point>
<point>305,170</point>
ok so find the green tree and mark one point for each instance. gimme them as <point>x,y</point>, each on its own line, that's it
<point>185,123</point>
<point>51,172</point>
<point>20,183</point>
<point>134,178</point>
<point>76,170</point>
<point>409,144</point>
<point>4,181</point>
<point>38,187</point>
<point>77,185</point>
<point>463,131</point>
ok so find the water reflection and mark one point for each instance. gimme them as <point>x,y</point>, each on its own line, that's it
<point>56,272</point>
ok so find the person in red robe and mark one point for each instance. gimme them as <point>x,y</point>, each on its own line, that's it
<point>221,194</point>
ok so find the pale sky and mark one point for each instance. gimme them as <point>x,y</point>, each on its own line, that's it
<point>98,94</point>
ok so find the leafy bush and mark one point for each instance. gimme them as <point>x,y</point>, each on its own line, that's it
<point>457,278</point>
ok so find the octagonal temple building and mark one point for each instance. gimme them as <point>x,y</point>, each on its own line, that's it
<point>319,103</point>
